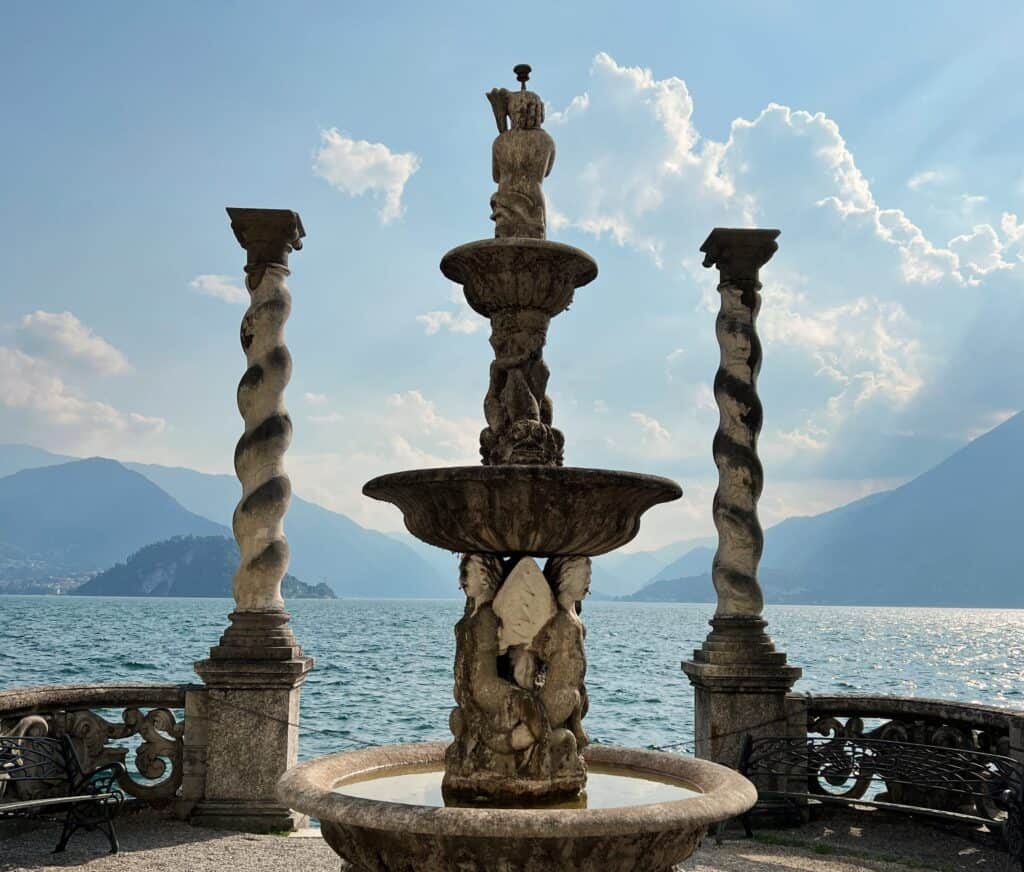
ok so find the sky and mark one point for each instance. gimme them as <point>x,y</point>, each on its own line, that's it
<point>882,139</point>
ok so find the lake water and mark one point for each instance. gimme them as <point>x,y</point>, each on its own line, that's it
<point>384,667</point>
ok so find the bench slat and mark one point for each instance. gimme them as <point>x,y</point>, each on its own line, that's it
<point>883,806</point>
<point>21,805</point>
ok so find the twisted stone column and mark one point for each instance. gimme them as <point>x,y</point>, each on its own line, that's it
<point>738,254</point>
<point>253,676</point>
<point>740,680</point>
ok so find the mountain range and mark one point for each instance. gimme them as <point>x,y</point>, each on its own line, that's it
<point>948,537</point>
<point>64,517</point>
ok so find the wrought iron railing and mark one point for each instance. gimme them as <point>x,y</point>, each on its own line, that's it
<point>107,722</point>
<point>928,723</point>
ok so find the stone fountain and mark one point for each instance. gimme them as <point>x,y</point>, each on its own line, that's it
<point>511,790</point>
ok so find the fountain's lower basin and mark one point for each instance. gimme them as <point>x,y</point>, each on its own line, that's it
<point>637,835</point>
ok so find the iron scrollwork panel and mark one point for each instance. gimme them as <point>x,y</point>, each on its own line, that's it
<point>946,794</point>
<point>158,756</point>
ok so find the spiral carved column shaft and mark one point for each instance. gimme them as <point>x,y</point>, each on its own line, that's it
<point>740,680</point>
<point>258,520</point>
<point>249,707</point>
<point>740,476</point>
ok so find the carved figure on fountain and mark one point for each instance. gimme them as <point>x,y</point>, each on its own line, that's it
<point>519,669</point>
<point>521,158</point>
<point>494,718</point>
<point>561,650</point>
<point>517,408</point>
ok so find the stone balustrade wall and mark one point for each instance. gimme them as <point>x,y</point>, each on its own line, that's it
<point>155,730</point>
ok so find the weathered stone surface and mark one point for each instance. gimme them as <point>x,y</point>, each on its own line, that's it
<point>521,158</point>
<point>500,274</point>
<point>739,254</point>
<point>519,670</point>
<point>523,605</point>
<point>386,837</point>
<point>520,285</point>
<point>535,510</point>
<point>252,738</point>
<point>740,681</point>
<point>251,704</point>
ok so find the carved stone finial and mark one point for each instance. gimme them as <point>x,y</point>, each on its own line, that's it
<point>739,253</point>
<point>522,157</point>
<point>267,235</point>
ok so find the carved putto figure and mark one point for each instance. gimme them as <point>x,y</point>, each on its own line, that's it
<point>521,158</point>
<point>519,672</point>
<point>518,410</point>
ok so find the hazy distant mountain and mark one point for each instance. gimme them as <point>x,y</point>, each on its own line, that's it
<point>14,458</point>
<point>620,574</point>
<point>444,563</point>
<point>695,589</point>
<point>950,537</point>
<point>185,566</point>
<point>325,545</point>
<point>85,515</point>
<point>696,561</point>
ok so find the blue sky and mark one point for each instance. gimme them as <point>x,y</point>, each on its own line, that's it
<point>882,139</point>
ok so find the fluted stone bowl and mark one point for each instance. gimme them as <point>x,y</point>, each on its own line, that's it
<point>517,273</point>
<point>538,510</point>
<point>378,836</point>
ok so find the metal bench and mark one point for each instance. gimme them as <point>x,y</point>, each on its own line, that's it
<point>49,782</point>
<point>953,784</point>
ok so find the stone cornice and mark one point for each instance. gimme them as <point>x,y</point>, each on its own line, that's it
<point>267,235</point>
<point>739,253</point>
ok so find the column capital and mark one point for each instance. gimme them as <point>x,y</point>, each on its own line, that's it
<point>267,235</point>
<point>739,253</point>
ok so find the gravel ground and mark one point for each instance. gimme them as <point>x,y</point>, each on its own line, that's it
<point>841,843</point>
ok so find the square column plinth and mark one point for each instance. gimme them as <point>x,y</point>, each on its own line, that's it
<point>252,732</point>
<point>740,685</point>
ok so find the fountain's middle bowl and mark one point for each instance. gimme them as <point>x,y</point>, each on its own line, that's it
<point>538,510</point>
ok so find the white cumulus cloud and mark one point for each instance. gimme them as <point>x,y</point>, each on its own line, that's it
<point>356,167</point>
<point>922,179</point>
<point>862,310</point>
<point>30,385</point>
<point>464,321</point>
<point>651,427</point>
<point>61,338</point>
<point>220,287</point>
<point>403,430</point>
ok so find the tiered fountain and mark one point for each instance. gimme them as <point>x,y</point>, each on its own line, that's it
<point>511,791</point>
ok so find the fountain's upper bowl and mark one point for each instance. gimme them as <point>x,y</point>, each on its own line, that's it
<point>518,273</point>
<point>538,510</point>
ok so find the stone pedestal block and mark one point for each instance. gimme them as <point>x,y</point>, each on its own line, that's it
<point>740,685</point>
<point>252,731</point>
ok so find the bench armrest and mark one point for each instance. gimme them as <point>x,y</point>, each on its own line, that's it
<point>102,779</point>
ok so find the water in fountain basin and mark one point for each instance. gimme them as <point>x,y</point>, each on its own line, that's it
<point>606,788</point>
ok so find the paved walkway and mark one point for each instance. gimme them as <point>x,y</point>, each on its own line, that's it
<point>845,843</point>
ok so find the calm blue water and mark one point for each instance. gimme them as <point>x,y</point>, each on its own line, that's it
<point>383,671</point>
